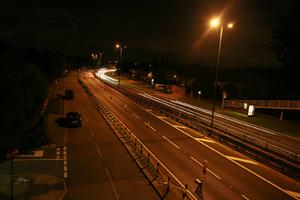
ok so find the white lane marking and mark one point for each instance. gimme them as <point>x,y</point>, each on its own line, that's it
<point>152,128</point>
<point>148,110</point>
<point>92,134</point>
<point>112,184</point>
<point>194,159</point>
<point>65,174</point>
<point>98,150</point>
<point>85,117</point>
<point>57,157</point>
<point>65,152</point>
<point>171,142</point>
<point>245,197</point>
<point>148,125</point>
<point>174,177</point>
<point>179,126</point>
<point>65,162</point>
<point>136,116</point>
<point>296,195</point>
<point>161,117</point>
<point>242,160</point>
<point>65,168</point>
<point>245,168</point>
<point>58,153</point>
<point>205,140</point>
<point>65,148</point>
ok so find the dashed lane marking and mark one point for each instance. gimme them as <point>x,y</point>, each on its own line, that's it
<point>171,142</point>
<point>65,174</point>
<point>245,197</point>
<point>152,128</point>
<point>85,117</point>
<point>92,134</point>
<point>98,150</point>
<point>178,126</point>
<point>205,140</point>
<point>136,116</point>
<point>245,168</point>
<point>112,184</point>
<point>161,117</point>
<point>242,160</point>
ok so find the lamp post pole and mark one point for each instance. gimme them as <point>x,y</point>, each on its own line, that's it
<point>120,46</point>
<point>120,61</point>
<point>216,78</point>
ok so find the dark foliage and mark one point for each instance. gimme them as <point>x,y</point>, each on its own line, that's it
<point>287,48</point>
<point>25,75</point>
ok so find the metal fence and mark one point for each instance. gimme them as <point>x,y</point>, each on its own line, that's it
<point>165,183</point>
<point>271,104</point>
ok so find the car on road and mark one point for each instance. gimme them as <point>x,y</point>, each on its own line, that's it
<point>73,119</point>
<point>69,94</point>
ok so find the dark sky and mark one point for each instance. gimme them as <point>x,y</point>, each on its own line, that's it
<point>177,29</point>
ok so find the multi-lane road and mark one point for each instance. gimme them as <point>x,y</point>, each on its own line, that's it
<point>96,165</point>
<point>230,175</point>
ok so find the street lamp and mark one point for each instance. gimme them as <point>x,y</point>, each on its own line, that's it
<point>121,47</point>
<point>199,93</point>
<point>216,23</point>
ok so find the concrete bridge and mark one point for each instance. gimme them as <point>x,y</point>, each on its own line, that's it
<point>267,104</point>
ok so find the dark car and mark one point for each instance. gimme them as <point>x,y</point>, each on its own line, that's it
<point>69,94</point>
<point>73,119</point>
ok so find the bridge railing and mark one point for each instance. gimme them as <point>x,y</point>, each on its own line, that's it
<point>272,104</point>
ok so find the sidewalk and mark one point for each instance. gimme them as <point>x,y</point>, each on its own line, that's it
<point>39,176</point>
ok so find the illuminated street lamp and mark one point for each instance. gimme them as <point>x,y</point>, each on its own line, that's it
<point>199,94</point>
<point>121,47</point>
<point>216,23</point>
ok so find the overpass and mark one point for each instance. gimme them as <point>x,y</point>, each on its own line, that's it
<point>267,104</point>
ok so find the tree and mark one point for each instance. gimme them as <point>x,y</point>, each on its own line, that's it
<point>287,48</point>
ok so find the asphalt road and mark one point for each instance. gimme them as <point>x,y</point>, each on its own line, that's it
<point>183,151</point>
<point>98,166</point>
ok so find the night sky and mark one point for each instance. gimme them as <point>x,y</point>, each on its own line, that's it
<point>176,29</point>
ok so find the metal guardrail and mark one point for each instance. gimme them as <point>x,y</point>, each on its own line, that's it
<point>165,183</point>
<point>272,104</point>
<point>276,156</point>
<point>285,159</point>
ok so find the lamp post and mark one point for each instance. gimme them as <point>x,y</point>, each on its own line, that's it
<point>199,94</point>
<point>121,47</point>
<point>215,23</point>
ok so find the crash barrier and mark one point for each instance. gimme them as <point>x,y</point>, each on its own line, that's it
<point>266,151</point>
<point>263,150</point>
<point>163,180</point>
